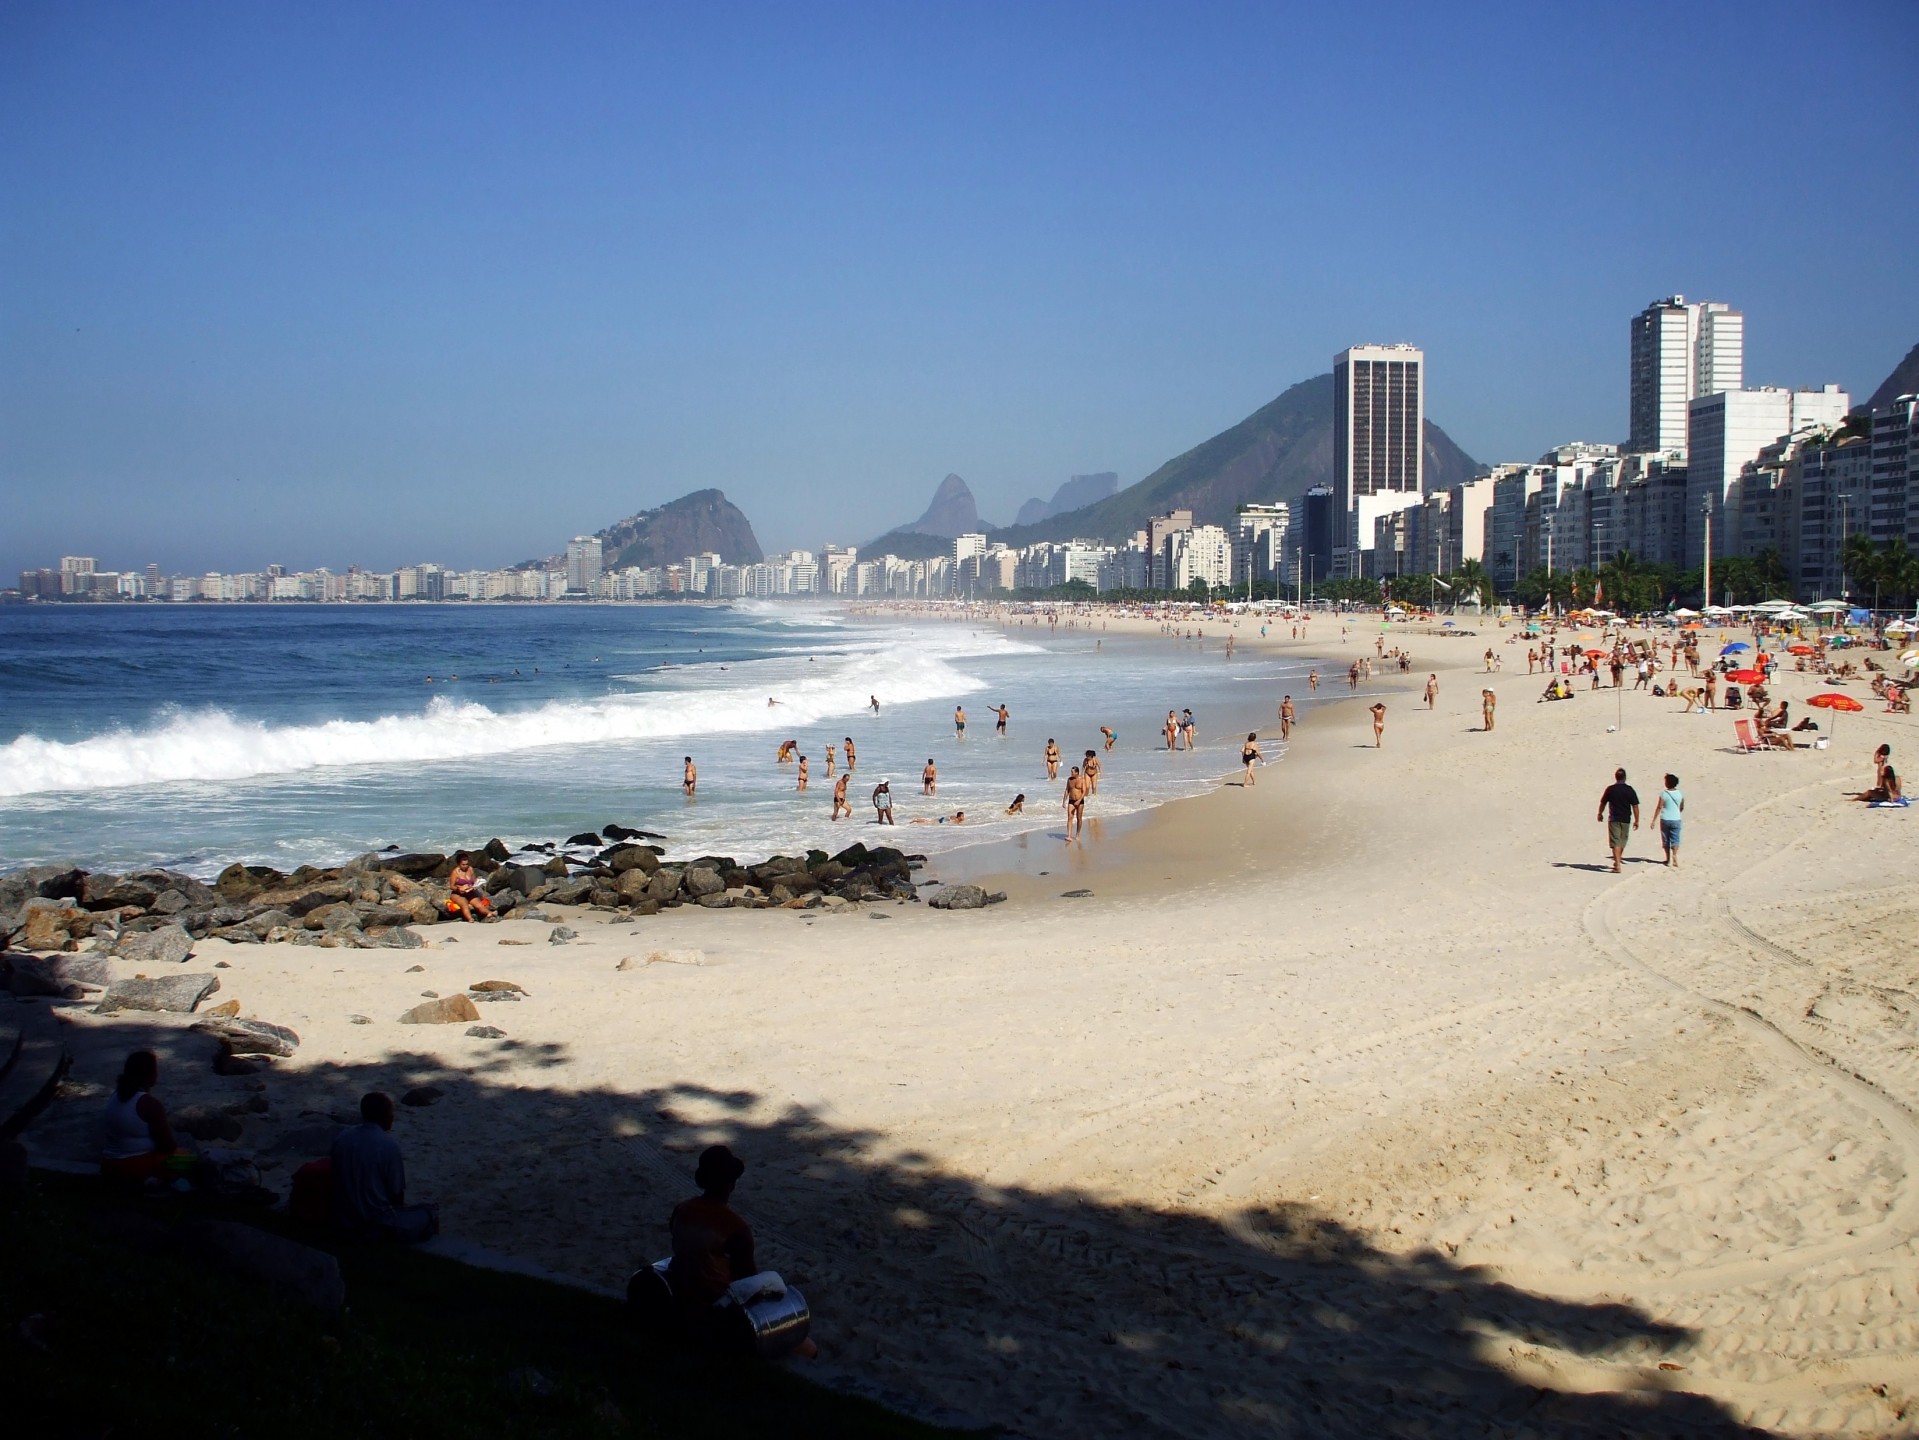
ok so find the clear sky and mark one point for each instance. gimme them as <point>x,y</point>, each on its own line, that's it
<point>384,282</point>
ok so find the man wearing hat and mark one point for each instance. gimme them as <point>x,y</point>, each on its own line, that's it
<point>712,1245</point>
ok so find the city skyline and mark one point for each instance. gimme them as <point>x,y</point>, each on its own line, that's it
<point>302,286</point>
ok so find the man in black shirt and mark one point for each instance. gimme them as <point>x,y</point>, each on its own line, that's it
<point>1619,808</point>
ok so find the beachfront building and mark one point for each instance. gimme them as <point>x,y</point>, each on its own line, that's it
<point>1379,409</point>
<point>583,564</point>
<point>1202,553</point>
<point>1730,428</point>
<point>1262,536</point>
<point>1680,351</point>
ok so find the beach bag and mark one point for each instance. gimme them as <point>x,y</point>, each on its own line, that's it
<point>312,1200</point>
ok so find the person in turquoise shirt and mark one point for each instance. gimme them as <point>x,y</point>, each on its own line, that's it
<point>1672,811</point>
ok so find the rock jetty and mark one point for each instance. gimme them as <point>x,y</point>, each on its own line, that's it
<point>155,916</point>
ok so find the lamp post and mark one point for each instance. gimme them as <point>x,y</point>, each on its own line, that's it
<point>1705,508</point>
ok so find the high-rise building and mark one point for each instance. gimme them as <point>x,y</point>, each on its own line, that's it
<point>583,564</point>
<point>1680,351</point>
<point>1728,430</point>
<point>1379,409</point>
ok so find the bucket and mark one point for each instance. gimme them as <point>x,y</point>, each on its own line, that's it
<point>1821,743</point>
<point>777,1326</point>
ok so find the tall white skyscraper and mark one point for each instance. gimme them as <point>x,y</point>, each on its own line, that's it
<point>583,564</point>
<point>1680,351</point>
<point>1379,410</point>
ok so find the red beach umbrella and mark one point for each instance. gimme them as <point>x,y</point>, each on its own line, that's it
<point>1799,650</point>
<point>1746,677</point>
<point>1595,654</point>
<point>1834,701</point>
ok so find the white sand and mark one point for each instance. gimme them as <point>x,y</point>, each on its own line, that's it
<point>1361,1099</point>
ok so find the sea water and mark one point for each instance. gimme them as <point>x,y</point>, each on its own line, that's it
<point>195,735</point>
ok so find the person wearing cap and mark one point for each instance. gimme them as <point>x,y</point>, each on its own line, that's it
<point>712,1245</point>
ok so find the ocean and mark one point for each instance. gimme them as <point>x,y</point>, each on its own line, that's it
<point>193,736</point>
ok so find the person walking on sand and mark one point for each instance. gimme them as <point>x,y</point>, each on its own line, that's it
<point>839,797</point>
<point>689,778</point>
<point>883,803</point>
<point>1249,757</point>
<point>1052,759</point>
<point>1619,810</point>
<point>1487,702</point>
<point>929,778</point>
<point>1671,815</point>
<point>1002,714</point>
<point>1286,718</point>
<point>803,774</point>
<point>1075,802</point>
<point>1432,690</point>
<point>1379,721</point>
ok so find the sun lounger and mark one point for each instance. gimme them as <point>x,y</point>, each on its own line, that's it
<point>1742,729</point>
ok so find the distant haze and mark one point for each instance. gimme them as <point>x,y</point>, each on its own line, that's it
<point>378,284</point>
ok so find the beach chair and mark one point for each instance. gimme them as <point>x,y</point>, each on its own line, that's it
<point>1742,730</point>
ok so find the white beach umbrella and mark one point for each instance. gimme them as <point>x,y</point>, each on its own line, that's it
<point>1829,607</point>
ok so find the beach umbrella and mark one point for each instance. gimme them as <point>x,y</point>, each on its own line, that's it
<point>1799,650</point>
<point>1734,648</point>
<point>1746,677</point>
<point>1595,654</point>
<point>1909,657</point>
<point>1832,700</point>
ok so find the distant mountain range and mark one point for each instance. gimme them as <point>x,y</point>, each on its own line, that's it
<point>694,524</point>
<point>1277,453</point>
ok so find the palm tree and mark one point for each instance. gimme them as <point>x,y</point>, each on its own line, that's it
<point>1471,578</point>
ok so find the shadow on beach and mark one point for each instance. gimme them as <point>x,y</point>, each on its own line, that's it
<point>1041,1312</point>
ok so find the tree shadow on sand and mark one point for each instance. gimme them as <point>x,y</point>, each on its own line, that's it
<point>1050,1313</point>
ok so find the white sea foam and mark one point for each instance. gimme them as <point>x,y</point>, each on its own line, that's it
<point>212,744</point>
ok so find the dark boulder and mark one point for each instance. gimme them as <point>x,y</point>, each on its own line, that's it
<point>585,837</point>
<point>699,881</point>
<point>249,1037</point>
<point>622,858</point>
<point>569,892</point>
<point>496,851</point>
<point>414,866</point>
<point>172,992</point>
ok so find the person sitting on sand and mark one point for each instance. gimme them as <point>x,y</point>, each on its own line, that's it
<point>369,1180</point>
<point>1881,763</point>
<point>136,1140</point>
<point>463,889</point>
<point>1018,807</point>
<point>712,1247</point>
<point>883,803</point>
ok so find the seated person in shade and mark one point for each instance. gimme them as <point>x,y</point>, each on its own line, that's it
<point>712,1245</point>
<point>369,1180</point>
<point>137,1141</point>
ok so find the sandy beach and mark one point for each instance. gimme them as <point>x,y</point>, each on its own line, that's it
<point>1362,1101</point>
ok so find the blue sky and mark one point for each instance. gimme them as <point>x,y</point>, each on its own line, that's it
<point>399,281</point>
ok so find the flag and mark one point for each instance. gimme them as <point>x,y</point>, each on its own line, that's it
<point>1442,584</point>
<point>1599,593</point>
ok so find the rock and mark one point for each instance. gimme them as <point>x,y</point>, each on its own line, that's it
<point>304,901</point>
<point>298,1272</point>
<point>418,909</point>
<point>358,1020</point>
<point>717,901</point>
<point>52,924</point>
<point>242,882</point>
<point>385,916</point>
<point>604,899</point>
<point>959,897</point>
<point>416,969</point>
<point>249,1037</point>
<point>569,892</point>
<point>450,1011</point>
<point>585,837</point>
<point>172,992</point>
<point>664,885</point>
<point>624,858</point>
<point>486,1032</point>
<point>226,1063</point>
<point>61,971</point>
<point>620,832</point>
<point>648,906</point>
<point>556,868</point>
<point>170,902</point>
<point>698,881</point>
<point>496,851</point>
<point>204,1123</point>
<point>430,994</point>
<point>491,985</point>
<point>559,935</point>
<point>1075,894</point>
<point>396,937</point>
<point>226,1008</point>
<point>486,996</point>
<point>421,1096</point>
<point>414,867</point>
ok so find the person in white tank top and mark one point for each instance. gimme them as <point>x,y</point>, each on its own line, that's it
<point>136,1140</point>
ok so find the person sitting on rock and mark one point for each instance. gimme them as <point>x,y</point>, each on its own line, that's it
<point>464,897</point>
<point>369,1180</point>
<point>137,1140</point>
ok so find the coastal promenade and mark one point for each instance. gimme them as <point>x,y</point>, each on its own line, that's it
<point>1365,1100</point>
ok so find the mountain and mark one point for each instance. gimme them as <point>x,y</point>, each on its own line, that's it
<point>1904,380</point>
<point>1277,453</point>
<point>1075,494</point>
<point>952,511</point>
<point>691,525</point>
